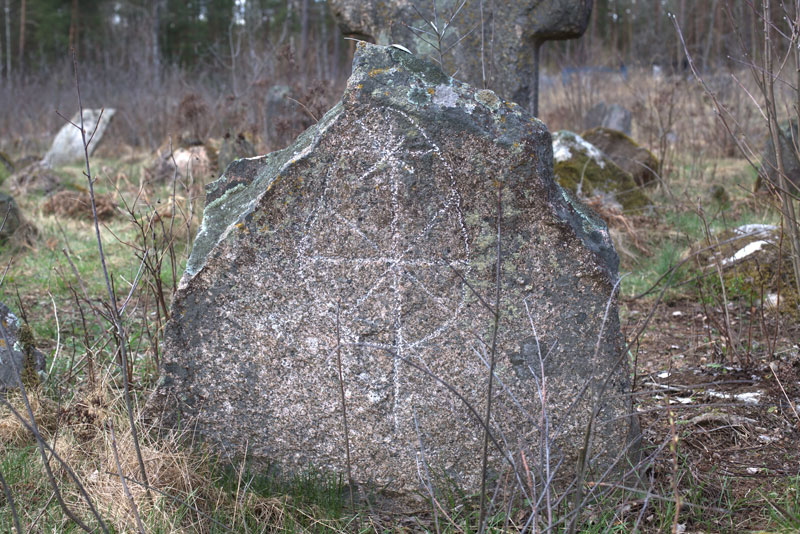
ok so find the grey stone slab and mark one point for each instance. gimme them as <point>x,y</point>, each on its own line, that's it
<point>15,357</point>
<point>373,239</point>
<point>67,146</point>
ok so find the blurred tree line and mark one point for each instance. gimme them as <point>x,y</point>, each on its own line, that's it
<point>642,33</point>
<point>154,33</point>
<point>148,34</point>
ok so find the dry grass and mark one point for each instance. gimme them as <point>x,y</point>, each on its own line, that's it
<point>77,204</point>
<point>671,117</point>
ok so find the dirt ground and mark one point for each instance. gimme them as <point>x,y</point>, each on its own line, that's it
<point>734,411</point>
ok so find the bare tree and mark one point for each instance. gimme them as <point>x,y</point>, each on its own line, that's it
<point>155,22</point>
<point>22,14</point>
<point>8,39</point>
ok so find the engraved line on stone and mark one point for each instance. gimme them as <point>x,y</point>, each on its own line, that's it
<point>451,174</point>
<point>387,143</point>
<point>356,229</point>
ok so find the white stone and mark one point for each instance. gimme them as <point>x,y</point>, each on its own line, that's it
<point>67,146</point>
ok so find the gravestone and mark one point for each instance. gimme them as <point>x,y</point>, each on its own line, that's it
<point>67,146</point>
<point>509,32</point>
<point>23,358</point>
<point>583,169</point>
<point>631,157</point>
<point>614,117</point>
<point>10,217</point>
<point>372,242</point>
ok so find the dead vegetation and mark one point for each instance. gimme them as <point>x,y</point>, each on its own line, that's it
<point>78,204</point>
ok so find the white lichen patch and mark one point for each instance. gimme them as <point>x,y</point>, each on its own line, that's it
<point>445,96</point>
<point>565,142</point>
<point>748,250</point>
<point>561,152</point>
<point>748,397</point>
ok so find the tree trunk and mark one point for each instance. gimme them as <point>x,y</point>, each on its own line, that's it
<point>303,28</point>
<point>22,13</point>
<point>1,61</point>
<point>73,27</point>
<point>709,37</point>
<point>537,45</point>
<point>155,51</point>
<point>324,57</point>
<point>8,39</point>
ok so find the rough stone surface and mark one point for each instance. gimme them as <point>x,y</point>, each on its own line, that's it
<point>614,117</point>
<point>588,173</point>
<point>631,157</point>
<point>9,211</point>
<point>512,26</point>
<point>67,147</point>
<point>22,358</point>
<point>376,232</point>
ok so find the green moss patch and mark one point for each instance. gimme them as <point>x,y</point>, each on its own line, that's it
<point>585,171</point>
<point>634,159</point>
<point>754,265</point>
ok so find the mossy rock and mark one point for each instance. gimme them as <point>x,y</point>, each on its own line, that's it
<point>584,170</point>
<point>753,264</point>
<point>631,157</point>
<point>6,166</point>
<point>9,211</point>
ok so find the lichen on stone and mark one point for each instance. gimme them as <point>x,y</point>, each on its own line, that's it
<point>586,172</point>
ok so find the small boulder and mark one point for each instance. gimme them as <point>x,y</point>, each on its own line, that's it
<point>583,169</point>
<point>197,162</point>
<point>18,355</point>
<point>634,159</point>
<point>614,117</point>
<point>67,147</point>
<point>752,261</point>
<point>718,195</point>
<point>233,148</point>
<point>15,227</point>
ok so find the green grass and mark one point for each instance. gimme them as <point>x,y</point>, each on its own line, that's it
<point>784,505</point>
<point>313,501</point>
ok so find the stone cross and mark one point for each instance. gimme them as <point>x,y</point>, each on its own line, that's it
<point>498,41</point>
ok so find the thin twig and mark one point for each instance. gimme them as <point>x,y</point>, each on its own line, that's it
<point>117,320</point>
<point>492,360</point>
<point>10,501</point>
<point>344,408</point>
